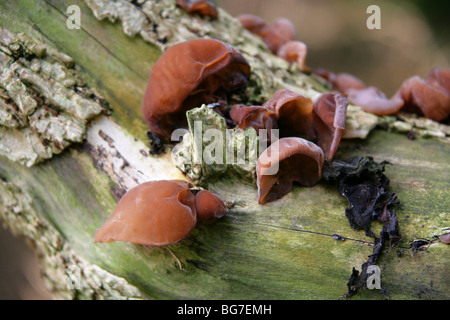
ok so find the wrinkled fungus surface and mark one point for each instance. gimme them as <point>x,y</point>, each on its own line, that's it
<point>297,116</point>
<point>330,112</point>
<point>211,70</point>
<point>256,117</point>
<point>294,112</point>
<point>154,213</point>
<point>286,161</point>
<point>286,110</point>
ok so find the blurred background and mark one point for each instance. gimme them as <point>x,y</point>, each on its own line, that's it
<point>414,38</point>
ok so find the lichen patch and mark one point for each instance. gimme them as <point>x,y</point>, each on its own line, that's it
<point>44,103</point>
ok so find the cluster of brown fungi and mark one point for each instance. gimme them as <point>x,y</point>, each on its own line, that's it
<point>212,71</point>
<point>279,38</point>
<point>209,71</point>
<point>429,97</point>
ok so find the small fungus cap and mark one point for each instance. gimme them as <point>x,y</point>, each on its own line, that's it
<point>297,159</point>
<point>281,31</point>
<point>190,74</point>
<point>294,51</point>
<point>286,110</point>
<point>256,117</point>
<point>209,205</point>
<point>294,112</point>
<point>252,23</point>
<point>330,113</point>
<point>439,77</point>
<point>201,7</point>
<point>340,82</point>
<point>373,100</point>
<point>429,97</point>
<point>155,213</point>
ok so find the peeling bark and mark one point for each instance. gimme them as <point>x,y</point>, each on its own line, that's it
<point>44,103</point>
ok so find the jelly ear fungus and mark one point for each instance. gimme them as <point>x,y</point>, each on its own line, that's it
<point>211,71</point>
<point>201,7</point>
<point>284,162</point>
<point>154,213</point>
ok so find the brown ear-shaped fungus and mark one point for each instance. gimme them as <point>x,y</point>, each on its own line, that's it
<point>154,213</point>
<point>274,35</point>
<point>298,160</point>
<point>187,75</point>
<point>430,97</point>
<point>445,238</point>
<point>295,51</point>
<point>330,113</point>
<point>278,33</point>
<point>294,113</point>
<point>439,78</point>
<point>287,110</point>
<point>252,23</point>
<point>373,100</point>
<point>209,206</point>
<point>201,7</point>
<point>256,117</point>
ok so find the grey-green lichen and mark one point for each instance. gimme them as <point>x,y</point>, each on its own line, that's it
<point>44,104</point>
<point>67,275</point>
<point>209,150</point>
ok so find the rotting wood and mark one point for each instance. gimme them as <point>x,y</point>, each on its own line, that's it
<point>284,250</point>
